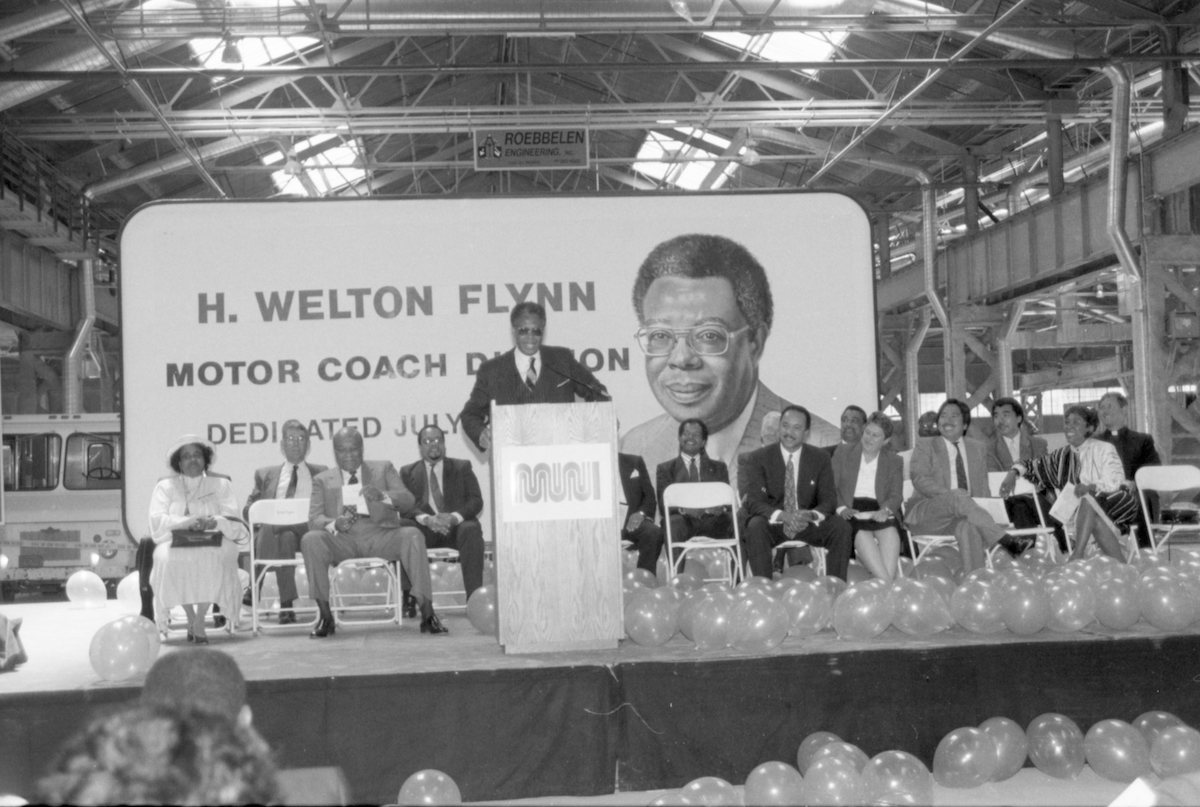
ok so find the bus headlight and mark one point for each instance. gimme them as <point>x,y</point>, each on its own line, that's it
<point>3,561</point>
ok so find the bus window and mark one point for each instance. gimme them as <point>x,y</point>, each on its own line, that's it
<point>35,461</point>
<point>93,462</point>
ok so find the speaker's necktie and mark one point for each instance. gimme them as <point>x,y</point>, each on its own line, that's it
<point>531,375</point>
<point>435,491</point>
<point>291,489</point>
<point>960,468</point>
<point>790,504</point>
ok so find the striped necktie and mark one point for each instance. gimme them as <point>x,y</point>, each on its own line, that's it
<point>531,375</point>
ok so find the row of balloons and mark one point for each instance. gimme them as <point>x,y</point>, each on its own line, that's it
<point>829,771</point>
<point>1024,599</point>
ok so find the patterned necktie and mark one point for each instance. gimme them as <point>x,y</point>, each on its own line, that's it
<point>291,488</point>
<point>790,504</point>
<point>435,491</point>
<point>531,375</point>
<point>693,472</point>
<point>350,511</point>
<point>960,468</point>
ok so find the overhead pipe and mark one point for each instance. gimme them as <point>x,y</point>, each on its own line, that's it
<point>73,392</point>
<point>912,377</point>
<point>1004,346</point>
<point>169,165</point>
<point>45,16</point>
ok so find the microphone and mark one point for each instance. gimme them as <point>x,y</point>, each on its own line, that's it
<point>600,393</point>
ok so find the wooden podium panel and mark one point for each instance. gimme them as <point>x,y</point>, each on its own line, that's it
<point>558,550</point>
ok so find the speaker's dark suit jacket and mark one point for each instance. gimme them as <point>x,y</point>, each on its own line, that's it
<point>638,490</point>
<point>460,488</point>
<point>560,379</point>
<point>676,470</point>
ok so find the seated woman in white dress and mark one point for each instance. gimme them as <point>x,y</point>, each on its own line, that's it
<point>194,576</point>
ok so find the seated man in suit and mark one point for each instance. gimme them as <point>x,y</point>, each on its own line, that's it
<point>291,480</point>
<point>693,465</point>
<point>789,494</point>
<point>337,531</point>
<point>448,503</point>
<point>1011,443</point>
<point>946,472</point>
<point>638,497</point>
<point>529,373</point>
<point>854,420</point>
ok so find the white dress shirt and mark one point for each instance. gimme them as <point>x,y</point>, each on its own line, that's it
<point>952,455</point>
<point>303,481</point>
<point>777,516</point>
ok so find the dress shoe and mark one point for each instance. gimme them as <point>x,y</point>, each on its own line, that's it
<point>410,606</point>
<point>248,600</point>
<point>431,624</point>
<point>287,618</point>
<point>1016,544</point>
<point>191,636</point>
<point>325,627</point>
<point>218,621</point>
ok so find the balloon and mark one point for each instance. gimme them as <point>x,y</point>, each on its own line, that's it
<point>628,589</point>
<point>983,573</point>
<point>1117,602</point>
<point>809,746</point>
<point>966,757</point>
<point>758,624</point>
<point>129,593</point>
<point>1165,602</point>
<point>489,572</point>
<point>857,573</point>
<point>481,609</point>
<point>1012,747</point>
<point>346,578</point>
<point>896,777</point>
<point>863,611</point>
<point>774,783</point>
<point>686,581</point>
<point>710,791</point>
<point>919,609</point>
<point>834,585</point>
<point>944,586</point>
<point>1056,745</point>
<point>1176,751</point>
<point>124,648</point>
<point>1025,607</point>
<point>642,576</point>
<point>650,617</point>
<point>710,624</point>
<point>86,590</point>
<point>1124,571</point>
<point>947,554</point>
<point>976,606</point>
<point>693,567</point>
<point>810,608</point>
<point>429,786</point>
<point>845,750</point>
<point>1072,605</point>
<point>1117,751</point>
<point>686,615</point>
<point>783,585</point>
<point>1151,724</point>
<point>754,582</point>
<point>671,798</point>
<point>832,780</point>
<point>932,568</point>
<point>629,559</point>
<point>375,583</point>
<point>801,571</point>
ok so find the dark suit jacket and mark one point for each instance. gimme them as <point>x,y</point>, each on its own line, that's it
<point>675,470</point>
<point>266,481</point>
<point>889,477</point>
<point>639,490</point>
<point>460,488</point>
<point>762,487</point>
<point>1136,449</point>
<point>499,380</point>
<point>326,503</point>
<point>929,468</point>
<point>999,458</point>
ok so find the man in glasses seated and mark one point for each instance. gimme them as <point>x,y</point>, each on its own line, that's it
<point>706,310</point>
<point>529,373</point>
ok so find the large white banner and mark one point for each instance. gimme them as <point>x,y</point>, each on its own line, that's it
<point>237,316</point>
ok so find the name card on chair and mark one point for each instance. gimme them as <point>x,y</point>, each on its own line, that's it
<point>556,482</point>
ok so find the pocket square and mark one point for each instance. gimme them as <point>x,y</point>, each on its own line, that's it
<point>635,474</point>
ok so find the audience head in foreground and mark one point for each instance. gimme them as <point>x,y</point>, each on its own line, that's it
<point>162,755</point>
<point>201,679</point>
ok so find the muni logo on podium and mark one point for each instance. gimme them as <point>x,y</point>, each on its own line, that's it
<point>549,483</point>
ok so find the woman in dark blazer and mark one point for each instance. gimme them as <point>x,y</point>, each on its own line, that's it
<point>870,487</point>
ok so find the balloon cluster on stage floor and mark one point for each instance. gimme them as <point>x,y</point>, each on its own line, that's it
<point>1022,596</point>
<point>829,771</point>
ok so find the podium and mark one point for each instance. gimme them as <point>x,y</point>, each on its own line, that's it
<point>555,497</point>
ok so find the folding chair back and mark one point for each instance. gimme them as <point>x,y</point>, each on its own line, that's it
<point>276,512</point>
<point>700,496</point>
<point>1166,479</point>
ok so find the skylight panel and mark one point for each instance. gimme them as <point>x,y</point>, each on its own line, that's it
<point>329,170</point>
<point>255,51</point>
<point>673,161</point>
<point>784,46</point>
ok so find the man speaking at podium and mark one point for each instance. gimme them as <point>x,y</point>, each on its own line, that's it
<point>529,373</point>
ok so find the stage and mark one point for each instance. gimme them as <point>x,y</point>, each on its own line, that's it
<point>381,702</point>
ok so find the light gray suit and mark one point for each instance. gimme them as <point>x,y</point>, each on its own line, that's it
<point>938,509</point>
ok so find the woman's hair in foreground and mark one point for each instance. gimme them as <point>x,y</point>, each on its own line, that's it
<point>162,755</point>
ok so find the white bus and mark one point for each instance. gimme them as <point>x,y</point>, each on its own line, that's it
<point>62,501</point>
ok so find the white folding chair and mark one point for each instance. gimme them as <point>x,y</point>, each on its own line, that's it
<point>698,496</point>
<point>1042,534</point>
<point>366,602</point>
<point>920,545</point>
<point>1166,479</point>
<point>277,512</point>
<point>818,554</point>
<point>446,599</point>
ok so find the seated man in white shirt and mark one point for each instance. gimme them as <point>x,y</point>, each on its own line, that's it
<point>291,480</point>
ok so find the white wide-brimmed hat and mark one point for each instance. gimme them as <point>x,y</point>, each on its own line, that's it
<point>187,440</point>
